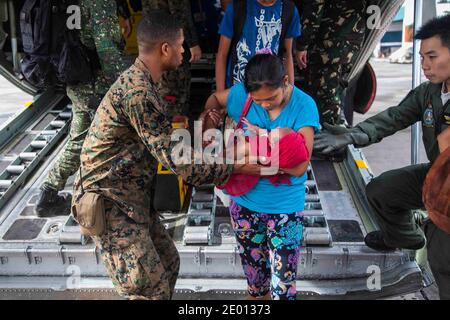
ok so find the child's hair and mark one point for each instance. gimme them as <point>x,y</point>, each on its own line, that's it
<point>264,70</point>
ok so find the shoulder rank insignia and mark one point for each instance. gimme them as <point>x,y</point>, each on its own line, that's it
<point>447,119</point>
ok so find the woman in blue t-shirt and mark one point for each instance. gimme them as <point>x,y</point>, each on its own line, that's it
<point>268,220</point>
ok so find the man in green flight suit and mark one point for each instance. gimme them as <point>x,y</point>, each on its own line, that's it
<point>395,193</point>
<point>100,31</point>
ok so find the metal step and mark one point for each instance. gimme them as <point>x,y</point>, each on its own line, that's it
<point>199,226</point>
<point>25,155</point>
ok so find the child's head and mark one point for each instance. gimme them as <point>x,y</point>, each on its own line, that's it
<point>266,80</point>
<point>288,148</point>
<point>267,2</point>
<point>279,133</point>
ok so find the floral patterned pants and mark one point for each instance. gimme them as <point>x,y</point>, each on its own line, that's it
<point>269,246</point>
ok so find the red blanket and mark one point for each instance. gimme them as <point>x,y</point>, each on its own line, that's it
<point>288,153</point>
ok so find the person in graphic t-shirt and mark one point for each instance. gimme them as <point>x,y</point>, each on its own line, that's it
<point>262,29</point>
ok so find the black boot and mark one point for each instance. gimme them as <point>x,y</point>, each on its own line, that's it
<point>50,203</point>
<point>374,240</point>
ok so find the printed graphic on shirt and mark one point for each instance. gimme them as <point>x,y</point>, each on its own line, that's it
<point>267,31</point>
<point>268,36</point>
<point>243,53</point>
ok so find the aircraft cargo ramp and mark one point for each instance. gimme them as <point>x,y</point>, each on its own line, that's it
<point>47,258</point>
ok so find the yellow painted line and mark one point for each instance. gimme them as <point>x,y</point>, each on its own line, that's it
<point>165,172</point>
<point>162,170</point>
<point>178,125</point>
<point>361,164</point>
<point>28,104</point>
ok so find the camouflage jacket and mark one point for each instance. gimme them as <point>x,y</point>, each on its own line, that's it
<point>330,20</point>
<point>130,133</point>
<point>182,10</point>
<point>100,31</point>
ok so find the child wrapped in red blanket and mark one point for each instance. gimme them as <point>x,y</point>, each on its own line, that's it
<point>285,149</point>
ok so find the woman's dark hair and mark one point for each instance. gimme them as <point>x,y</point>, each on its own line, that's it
<point>264,70</point>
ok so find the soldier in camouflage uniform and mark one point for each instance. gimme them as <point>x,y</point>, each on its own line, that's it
<point>332,35</point>
<point>130,134</point>
<point>101,32</point>
<point>175,85</point>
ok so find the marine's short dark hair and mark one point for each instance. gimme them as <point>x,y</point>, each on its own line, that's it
<point>157,27</point>
<point>436,27</point>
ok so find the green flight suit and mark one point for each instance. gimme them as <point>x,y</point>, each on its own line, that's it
<point>393,194</point>
<point>438,251</point>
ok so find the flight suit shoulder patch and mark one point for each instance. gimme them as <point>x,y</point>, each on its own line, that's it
<point>428,117</point>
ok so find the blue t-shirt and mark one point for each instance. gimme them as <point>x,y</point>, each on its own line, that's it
<point>262,30</point>
<point>301,111</point>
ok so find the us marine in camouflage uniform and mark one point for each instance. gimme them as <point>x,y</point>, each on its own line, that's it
<point>130,134</point>
<point>175,85</point>
<point>332,35</point>
<point>100,31</point>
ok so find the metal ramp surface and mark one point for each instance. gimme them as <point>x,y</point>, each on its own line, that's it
<point>43,255</point>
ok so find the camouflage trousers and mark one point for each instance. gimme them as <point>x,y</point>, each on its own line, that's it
<point>141,259</point>
<point>328,64</point>
<point>176,84</point>
<point>84,103</point>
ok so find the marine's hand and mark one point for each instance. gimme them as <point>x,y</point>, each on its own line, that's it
<point>210,118</point>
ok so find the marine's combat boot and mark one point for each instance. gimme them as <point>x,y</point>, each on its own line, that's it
<point>50,203</point>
